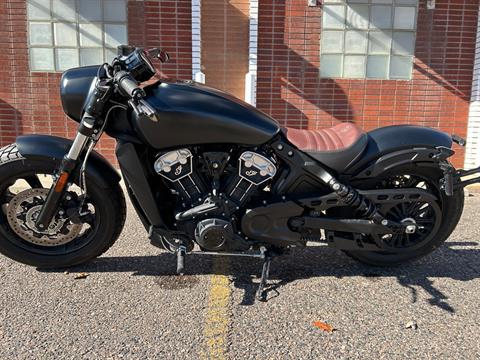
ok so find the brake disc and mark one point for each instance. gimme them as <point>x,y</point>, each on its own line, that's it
<point>22,212</point>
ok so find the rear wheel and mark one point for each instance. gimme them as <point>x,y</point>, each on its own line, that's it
<point>72,237</point>
<point>434,221</point>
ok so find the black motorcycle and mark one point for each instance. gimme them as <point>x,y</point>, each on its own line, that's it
<point>204,168</point>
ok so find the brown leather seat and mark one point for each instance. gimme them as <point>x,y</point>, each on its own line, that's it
<point>337,147</point>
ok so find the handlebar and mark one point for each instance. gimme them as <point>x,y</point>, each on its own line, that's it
<point>125,75</point>
<point>128,85</point>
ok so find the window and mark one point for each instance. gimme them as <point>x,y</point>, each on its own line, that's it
<point>69,33</point>
<point>373,39</point>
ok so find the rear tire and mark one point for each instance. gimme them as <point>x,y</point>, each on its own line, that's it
<point>452,208</point>
<point>110,213</point>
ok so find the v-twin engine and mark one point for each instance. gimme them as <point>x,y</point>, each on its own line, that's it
<point>210,213</point>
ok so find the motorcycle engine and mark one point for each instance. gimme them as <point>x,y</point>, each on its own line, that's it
<point>211,214</point>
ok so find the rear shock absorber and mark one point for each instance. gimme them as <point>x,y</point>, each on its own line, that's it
<point>357,201</point>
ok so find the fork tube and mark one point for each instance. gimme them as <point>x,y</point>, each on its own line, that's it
<point>69,163</point>
<point>77,147</point>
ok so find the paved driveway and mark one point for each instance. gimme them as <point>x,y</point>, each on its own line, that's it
<point>131,306</point>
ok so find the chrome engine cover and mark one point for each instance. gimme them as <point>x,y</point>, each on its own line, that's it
<point>256,168</point>
<point>174,165</point>
<point>177,167</point>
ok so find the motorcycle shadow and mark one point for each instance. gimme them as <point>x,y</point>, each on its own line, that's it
<point>455,260</point>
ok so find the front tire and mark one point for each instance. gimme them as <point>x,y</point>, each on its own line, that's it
<point>109,214</point>
<point>451,211</point>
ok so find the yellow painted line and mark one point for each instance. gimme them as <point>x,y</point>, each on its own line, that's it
<point>217,317</point>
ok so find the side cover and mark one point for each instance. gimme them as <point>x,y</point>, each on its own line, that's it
<point>55,148</point>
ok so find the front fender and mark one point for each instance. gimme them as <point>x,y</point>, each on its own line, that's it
<point>54,148</point>
<point>393,146</point>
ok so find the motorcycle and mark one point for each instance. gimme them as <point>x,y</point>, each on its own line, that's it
<point>209,174</point>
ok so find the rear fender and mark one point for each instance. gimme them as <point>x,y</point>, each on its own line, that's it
<point>393,146</point>
<point>398,158</point>
<point>53,148</point>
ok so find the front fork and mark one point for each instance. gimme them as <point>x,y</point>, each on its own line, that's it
<point>67,167</point>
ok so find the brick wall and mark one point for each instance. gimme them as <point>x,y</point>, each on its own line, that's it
<point>289,86</point>
<point>30,103</point>
<point>290,89</point>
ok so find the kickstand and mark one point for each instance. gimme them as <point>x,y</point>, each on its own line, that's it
<point>261,294</point>
<point>181,251</point>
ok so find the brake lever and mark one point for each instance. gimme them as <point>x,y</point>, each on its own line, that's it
<point>134,107</point>
<point>141,107</point>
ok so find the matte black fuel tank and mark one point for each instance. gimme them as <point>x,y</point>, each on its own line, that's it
<point>190,113</point>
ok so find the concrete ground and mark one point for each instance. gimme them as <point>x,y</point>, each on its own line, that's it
<point>132,306</point>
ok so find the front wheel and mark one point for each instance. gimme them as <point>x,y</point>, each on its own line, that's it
<point>72,237</point>
<point>435,222</point>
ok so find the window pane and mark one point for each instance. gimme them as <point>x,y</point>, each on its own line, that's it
<point>332,41</point>
<point>380,42</point>
<point>65,34</point>
<point>115,35</point>
<point>403,43</point>
<point>41,59</point>
<point>357,16</point>
<point>381,17</point>
<point>331,66</point>
<point>66,59</point>
<point>334,16</point>
<point>110,54</point>
<point>91,57</point>
<point>382,1</point>
<point>356,42</point>
<point>64,10</point>
<point>114,10</point>
<point>91,35</point>
<point>377,67</point>
<point>90,10</point>
<point>40,34</point>
<point>354,67</point>
<point>39,9</point>
<point>404,18</point>
<point>400,67</point>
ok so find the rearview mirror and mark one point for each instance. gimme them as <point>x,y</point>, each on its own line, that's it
<point>160,54</point>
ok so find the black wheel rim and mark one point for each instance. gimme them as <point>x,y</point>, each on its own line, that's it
<point>429,215</point>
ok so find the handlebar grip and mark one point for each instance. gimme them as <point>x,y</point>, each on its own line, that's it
<point>128,85</point>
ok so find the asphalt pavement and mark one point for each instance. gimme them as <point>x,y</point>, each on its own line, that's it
<point>132,306</point>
